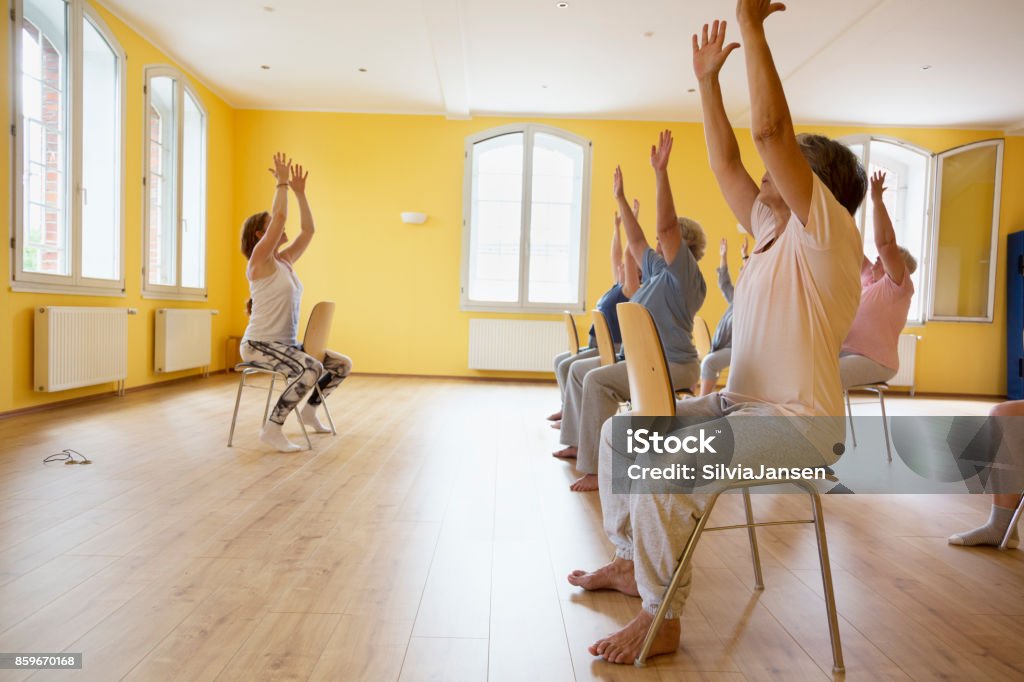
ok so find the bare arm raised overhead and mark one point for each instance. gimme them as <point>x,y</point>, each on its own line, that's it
<point>636,241</point>
<point>885,235</point>
<point>298,185</point>
<point>616,258</point>
<point>631,269</point>
<point>739,189</point>
<point>771,122</point>
<point>668,221</point>
<point>261,261</point>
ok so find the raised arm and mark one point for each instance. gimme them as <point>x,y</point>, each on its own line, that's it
<point>616,258</point>
<point>738,188</point>
<point>668,221</point>
<point>631,269</point>
<point>264,250</point>
<point>771,122</point>
<point>636,242</point>
<point>298,246</point>
<point>885,235</point>
<point>724,279</point>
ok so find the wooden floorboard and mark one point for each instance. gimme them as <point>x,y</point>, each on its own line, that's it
<point>430,540</point>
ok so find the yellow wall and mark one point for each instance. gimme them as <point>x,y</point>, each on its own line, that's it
<point>398,285</point>
<point>16,308</point>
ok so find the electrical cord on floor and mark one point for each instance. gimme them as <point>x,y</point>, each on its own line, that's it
<point>67,455</point>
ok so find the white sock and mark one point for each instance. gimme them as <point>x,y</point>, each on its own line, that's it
<point>308,416</point>
<point>991,533</point>
<point>273,436</point>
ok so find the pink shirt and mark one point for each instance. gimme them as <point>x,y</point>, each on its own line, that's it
<point>882,315</point>
<point>793,308</point>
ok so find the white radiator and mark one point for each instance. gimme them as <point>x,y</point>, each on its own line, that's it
<point>515,345</point>
<point>907,349</point>
<point>182,339</point>
<point>79,346</point>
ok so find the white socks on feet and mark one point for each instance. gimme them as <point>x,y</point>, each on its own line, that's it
<point>307,413</point>
<point>991,533</point>
<point>273,436</point>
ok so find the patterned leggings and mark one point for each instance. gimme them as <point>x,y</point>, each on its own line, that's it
<point>303,370</point>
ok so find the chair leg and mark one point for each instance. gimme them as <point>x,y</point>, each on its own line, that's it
<point>849,411</point>
<point>234,415</point>
<point>755,555</point>
<point>1005,544</point>
<point>670,591</point>
<point>323,401</point>
<point>270,394</point>
<point>309,443</point>
<point>885,424</point>
<point>826,580</point>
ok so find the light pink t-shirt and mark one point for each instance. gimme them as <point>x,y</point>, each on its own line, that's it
<point>794,306</point>
<point>882,315</point>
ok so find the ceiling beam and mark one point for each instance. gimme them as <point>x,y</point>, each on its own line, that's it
<point>447,42</point>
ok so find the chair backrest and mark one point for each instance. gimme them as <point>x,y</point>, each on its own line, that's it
<point>605,346</point>
<point>650,387</point>
<point>314,342</point>
<point>571,333</point>
<point>701,337</point>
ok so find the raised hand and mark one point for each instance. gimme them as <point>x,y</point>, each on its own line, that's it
<point>617,189</point>
<point>618,221</point>
<point>723,248</point>
<point>282,166</point>
<point>710,52</point>
<point>756,11</point>
<point>298,179</point>
<point>660,154</point>
<point>877,185</point>
<point>636,208</point>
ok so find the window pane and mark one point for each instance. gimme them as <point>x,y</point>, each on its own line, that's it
<point>906,201</point>
<point>555,220</point>
<point>101,156</point>
<point>496,219</point>
<point>162,261</point>
<point>964,250</point>
<point>193,206</point>
<point>45,236</point>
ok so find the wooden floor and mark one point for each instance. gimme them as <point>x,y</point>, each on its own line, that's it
<point>430,540</point>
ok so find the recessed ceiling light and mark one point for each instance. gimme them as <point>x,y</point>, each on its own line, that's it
<point>544,87</point>
<point>648,34</point>
<point>362,70</point>
<point>926,67</point>
<point>691,89</point>
<point>268,8</point>
<point>561,5</point>
<point>265,67</point>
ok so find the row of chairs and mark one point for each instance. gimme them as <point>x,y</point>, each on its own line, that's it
<point>651,395</point>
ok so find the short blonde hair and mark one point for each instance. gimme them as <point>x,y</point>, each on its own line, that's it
<point>909,260</point>
<point>693,236</point>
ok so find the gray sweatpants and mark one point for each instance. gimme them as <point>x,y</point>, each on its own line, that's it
<point>714,362</point>
<point>563,362</point>
<point>652,529</point>
<point>594,393</point>
<point>858,370</point>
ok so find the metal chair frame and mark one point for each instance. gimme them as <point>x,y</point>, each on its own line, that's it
<point>879,389</point>
<point>1005,544</point>
<point>249,369</point>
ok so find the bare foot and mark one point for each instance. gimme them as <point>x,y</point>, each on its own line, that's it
<point>624,646</point>
<point>568,452</point>
<point>618,576</point>
<point>557,424</point>
<point>587,483</point>
<point>555,417</point>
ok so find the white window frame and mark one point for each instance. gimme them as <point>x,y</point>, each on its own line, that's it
<point>181,86</point>
<point>74,283</point>
<point>528,130</point>
<point>933,198</point>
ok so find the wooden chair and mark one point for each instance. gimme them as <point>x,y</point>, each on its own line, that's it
<point>605,345</point>
<point>879,389</point>
<point>314,343</point>
<point>701,337</point>
<point>572,335</point>
<point>651,393</point>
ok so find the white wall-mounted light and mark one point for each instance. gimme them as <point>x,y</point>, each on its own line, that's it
<point>413,218</point>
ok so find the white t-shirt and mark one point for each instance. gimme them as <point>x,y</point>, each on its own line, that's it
<point>794,306</point>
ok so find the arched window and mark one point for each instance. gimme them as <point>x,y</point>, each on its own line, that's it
<point>525,220</point>
<point>175,239</point>
<point>69,233</point>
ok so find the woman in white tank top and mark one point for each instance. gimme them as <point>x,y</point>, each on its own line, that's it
<point>271,338</point>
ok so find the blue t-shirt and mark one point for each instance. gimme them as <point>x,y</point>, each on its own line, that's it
<point>606,304</point>
<point>673,293</point>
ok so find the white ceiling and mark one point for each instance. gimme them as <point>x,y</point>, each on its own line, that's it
<point>843,61</point>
